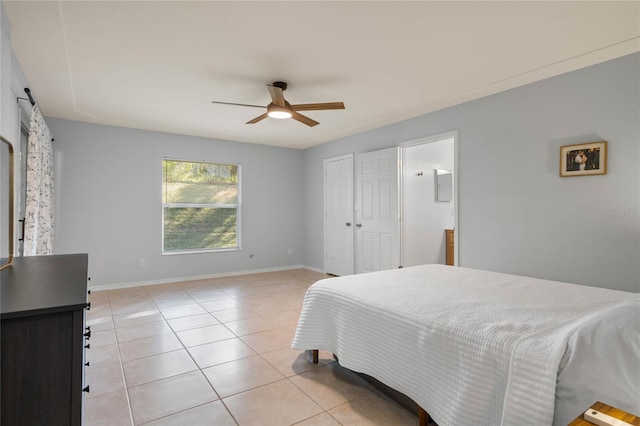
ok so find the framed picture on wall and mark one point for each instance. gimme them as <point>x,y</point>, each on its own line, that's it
<point>583,159</point>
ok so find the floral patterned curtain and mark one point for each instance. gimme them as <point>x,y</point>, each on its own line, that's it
<point>38,227</point>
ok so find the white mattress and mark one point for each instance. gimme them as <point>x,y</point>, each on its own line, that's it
<point>468,346</point>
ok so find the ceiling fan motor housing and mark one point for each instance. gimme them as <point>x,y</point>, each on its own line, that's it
<point>281,84</point>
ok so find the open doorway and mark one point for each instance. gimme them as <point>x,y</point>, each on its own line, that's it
<point>429,196</point>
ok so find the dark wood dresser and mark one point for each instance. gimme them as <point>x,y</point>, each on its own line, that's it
<point>43,300</point>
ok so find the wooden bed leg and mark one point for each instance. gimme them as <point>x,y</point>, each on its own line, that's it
<point>423,417</point>
<point>314,355</point>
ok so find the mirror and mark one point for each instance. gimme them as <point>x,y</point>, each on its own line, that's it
<point>444,185</point>
<point>6,202</point>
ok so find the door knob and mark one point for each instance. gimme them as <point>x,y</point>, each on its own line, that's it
<point>348,223</point>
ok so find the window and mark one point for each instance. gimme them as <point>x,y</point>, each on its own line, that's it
<point>200,206</point>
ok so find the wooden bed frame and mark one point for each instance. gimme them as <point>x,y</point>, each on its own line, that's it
<point>423,416</point>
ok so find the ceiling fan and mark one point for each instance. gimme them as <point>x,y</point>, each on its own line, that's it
<point>280,108</point>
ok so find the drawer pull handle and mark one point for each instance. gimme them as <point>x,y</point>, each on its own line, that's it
<point>89,306</point>
<point>86,364</point>
<point>86,389</point>
<point>87,346</point>
<point>87,334</point>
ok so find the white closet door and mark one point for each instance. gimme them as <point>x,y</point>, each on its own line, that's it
<point>339,226</point>
<point>377,211</point>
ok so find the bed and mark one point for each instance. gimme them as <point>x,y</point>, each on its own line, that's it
<point>478,347</point>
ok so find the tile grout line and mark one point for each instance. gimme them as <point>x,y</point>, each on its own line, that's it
<point>222,400</point>
<point>198,365</point>
<point>122,363</point>
<point>200,368</point>
<point>190,356</point>
<point>183,346</point>
<point>124,379</point>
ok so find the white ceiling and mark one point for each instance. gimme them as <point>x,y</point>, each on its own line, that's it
<point>157,65</point>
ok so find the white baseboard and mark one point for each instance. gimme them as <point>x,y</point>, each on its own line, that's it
<point>116,286</point>
<point>314,269</point>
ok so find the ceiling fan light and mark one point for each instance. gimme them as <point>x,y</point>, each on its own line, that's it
<point>279,114</point>
<point>276,111</point>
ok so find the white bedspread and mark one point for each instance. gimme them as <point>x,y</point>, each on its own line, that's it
<point>602,363</point>
<point>470,347</point>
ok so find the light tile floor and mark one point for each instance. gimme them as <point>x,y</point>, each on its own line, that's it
<point>217,352</point>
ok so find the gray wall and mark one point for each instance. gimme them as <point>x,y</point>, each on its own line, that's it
<point>516,214</point>
<point>109,202</point>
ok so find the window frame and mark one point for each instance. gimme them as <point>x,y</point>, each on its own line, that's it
<point>238,207</point>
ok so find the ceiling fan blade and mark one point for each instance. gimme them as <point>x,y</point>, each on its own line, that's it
<point>231,103</point>
<point>303,119</point>
<point>276,95</point>
<point>258,118</point>
<point>318,107</point>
